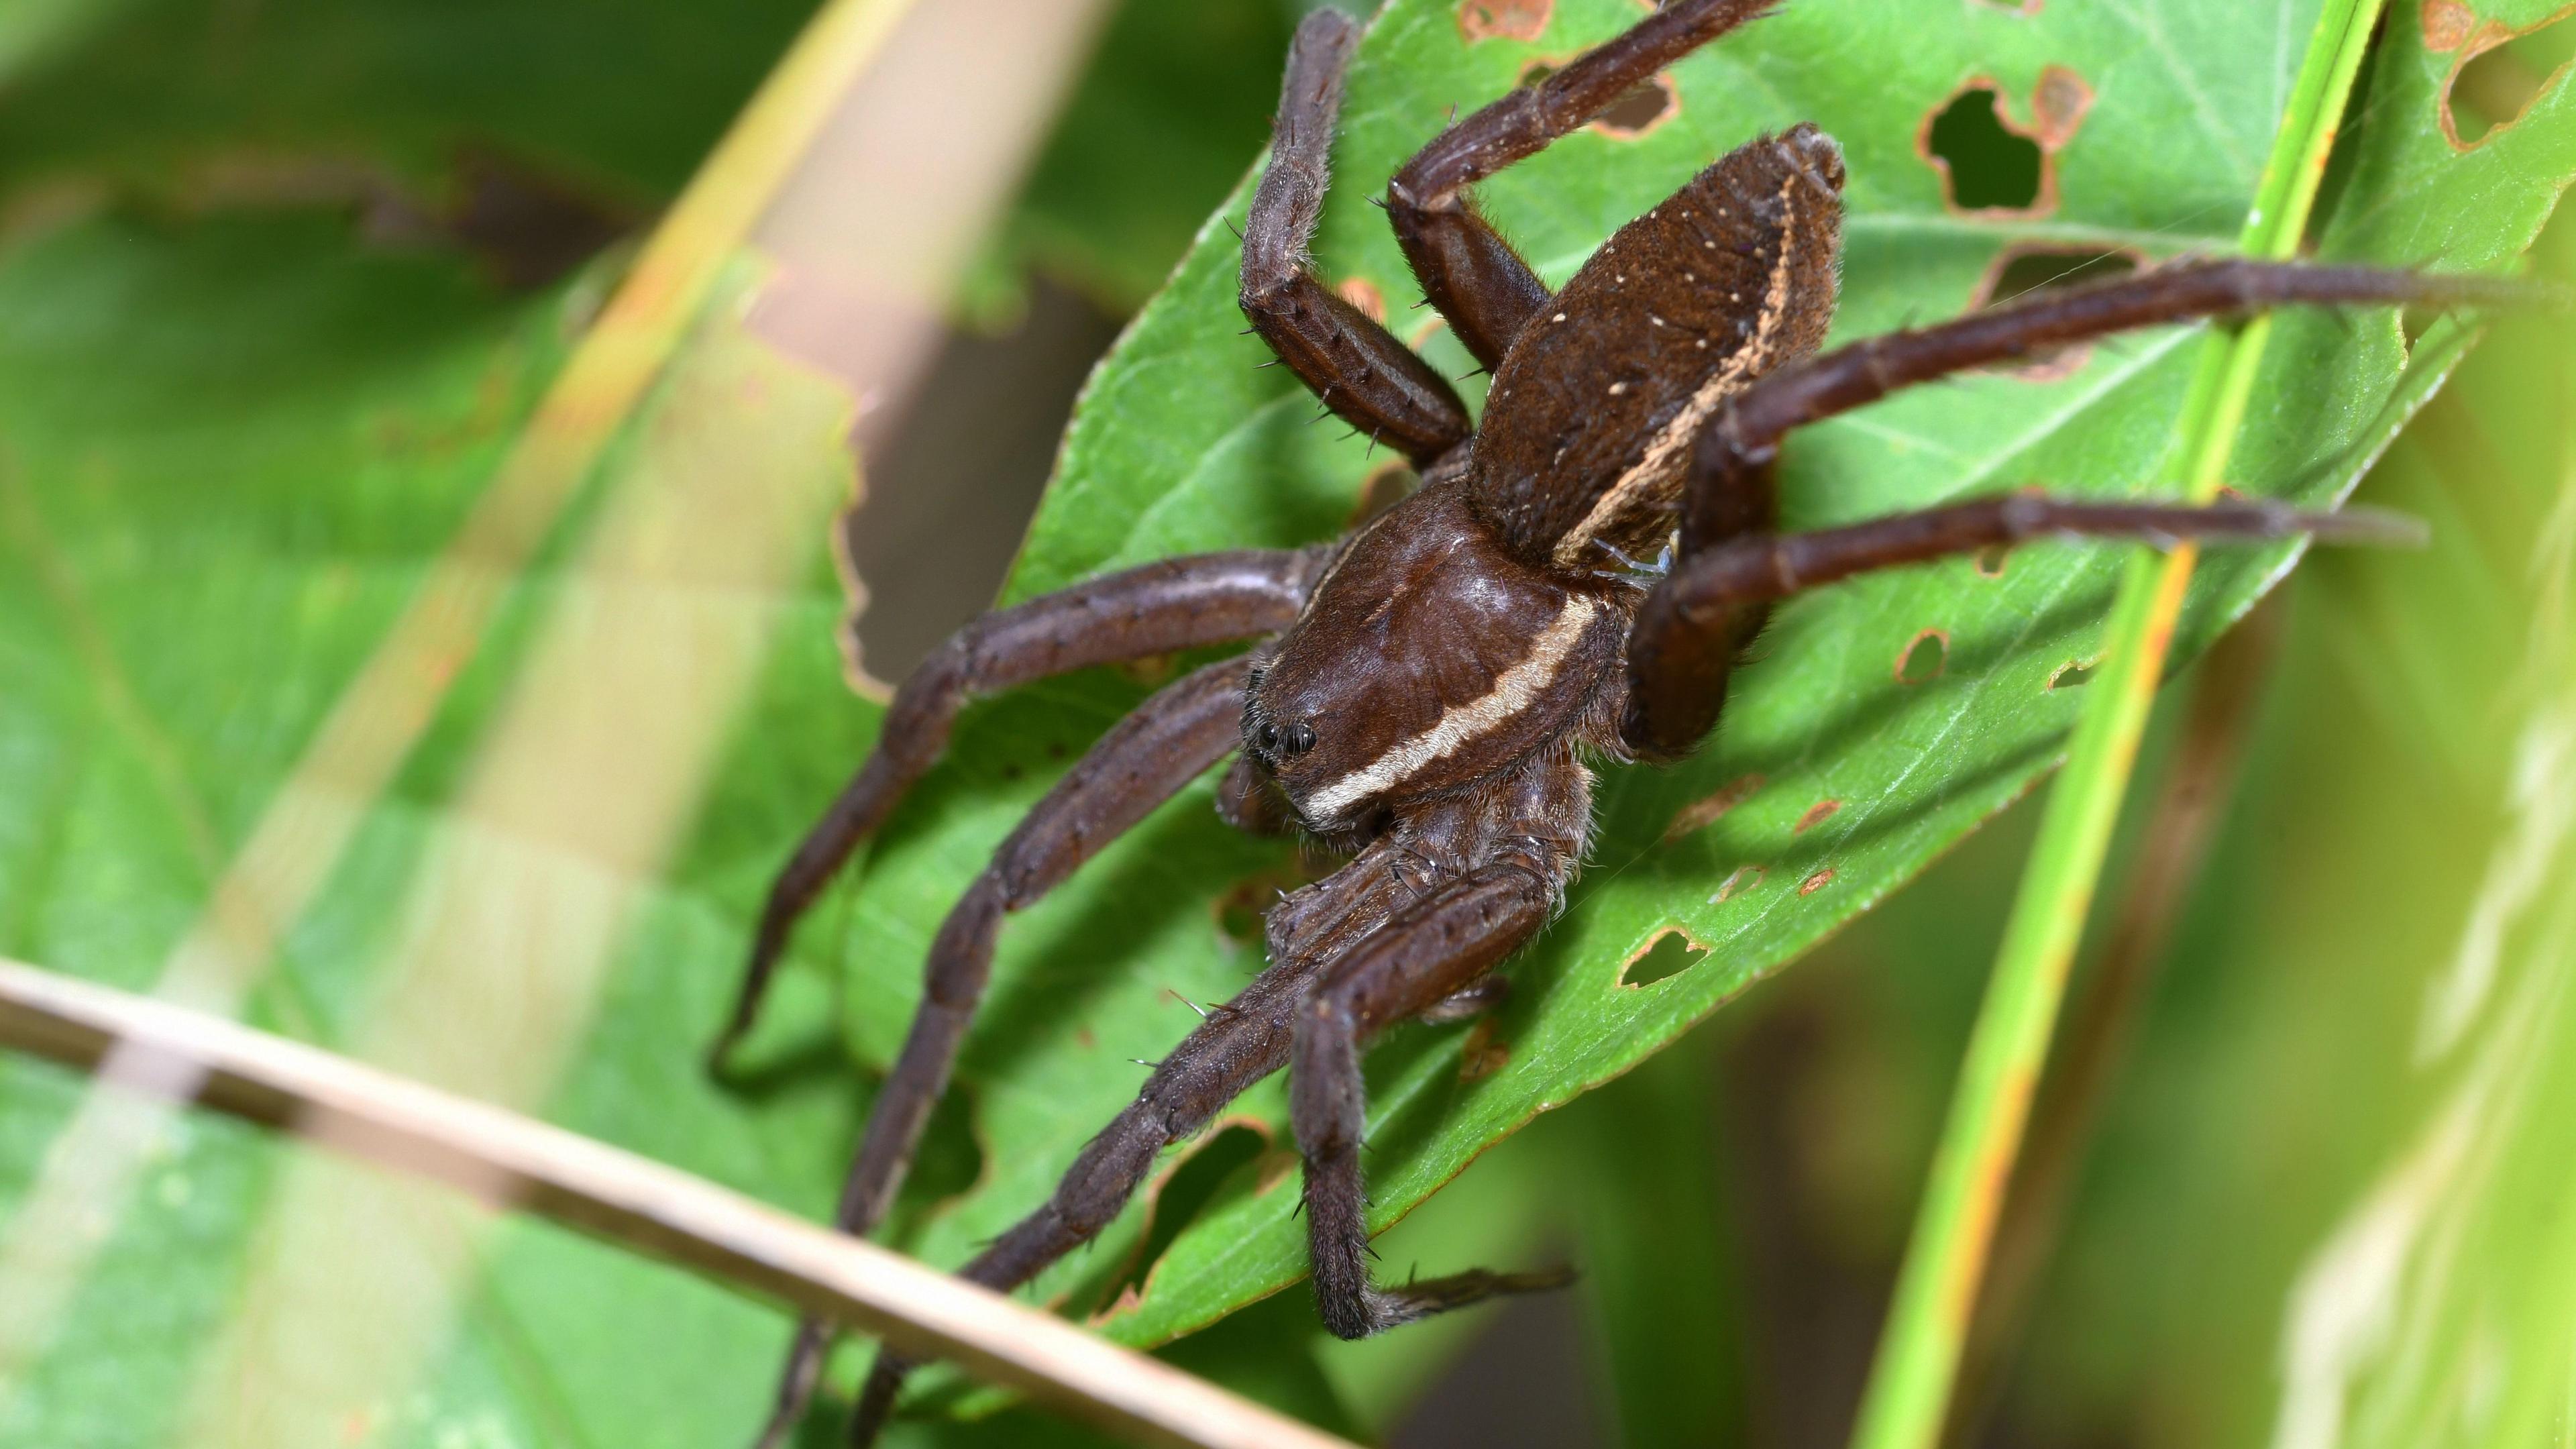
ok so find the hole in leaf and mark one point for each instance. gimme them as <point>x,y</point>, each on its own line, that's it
<point>1669,954</point>
<point>1923,659</point>
<point>2023,270</point>
<point>1639,109</point>
<point>2491,88</point>
<point>2072,673</point>
<point>1184,1193</point>
<point>2042,268</point>
<point>1742,879</point>
<point>1985,165</point>
<point>1992,558</point>
<point>2411,322</point>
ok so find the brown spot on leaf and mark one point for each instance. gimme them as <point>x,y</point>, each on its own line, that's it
<point>1083,1038</point>
<point>2447,24</point>
<point>1703,812</point>
<point>1484,1053</point>
<point>1924,657</point>
<point>1667,953</point>
<point>1816,882</point>
<point>1743,878</point>
<point>1994,163</point>
<point>2057,106</point>
<point>1817,814</point>
<point>1503,19</point>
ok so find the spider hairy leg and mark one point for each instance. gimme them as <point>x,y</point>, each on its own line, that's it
<point>1746,434</point>
<point>1351,362</point>
<point>1423,957</point>
<point>1143,761</point>
<point>1692,628</point>
<point>1470,273</point>
<point>1174,604</point>
<point>1232,1048</point>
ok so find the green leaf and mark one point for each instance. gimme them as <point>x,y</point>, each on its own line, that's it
<point>208,527</point>
<point>199,102</point>
<point>2344,1123</point>
<point>1180,445</point>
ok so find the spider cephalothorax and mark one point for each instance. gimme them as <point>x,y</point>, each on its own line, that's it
<point>1429,696</point>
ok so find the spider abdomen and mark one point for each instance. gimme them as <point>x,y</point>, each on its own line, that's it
<point>1589,424</point>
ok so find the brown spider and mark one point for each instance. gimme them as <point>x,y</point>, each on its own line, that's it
<point>1428,689</point>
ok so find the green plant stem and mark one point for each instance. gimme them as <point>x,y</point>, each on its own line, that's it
<point>1918,1356</point>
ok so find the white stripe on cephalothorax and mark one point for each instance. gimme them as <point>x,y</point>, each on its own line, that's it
<point>1662,461</point>
<point>1513,691</point>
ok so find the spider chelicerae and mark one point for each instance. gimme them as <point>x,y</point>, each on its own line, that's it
<point>1429,693</point>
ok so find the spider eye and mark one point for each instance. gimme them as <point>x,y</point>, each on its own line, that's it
<point>1269,738</point>
<point>1300,739</point>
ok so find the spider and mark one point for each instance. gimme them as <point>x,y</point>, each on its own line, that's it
<point>1428,694</point>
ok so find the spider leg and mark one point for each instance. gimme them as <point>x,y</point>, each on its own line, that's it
<point>1138,765</point>
<point>1426,956</point>
<point>1694,624</point>
<point>1358,368</point>
<point>1173,604</point>
<point>1465,267</point>
<point>1746,435</point>
<point>1692,627</point>
<point>1233,1047</point>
